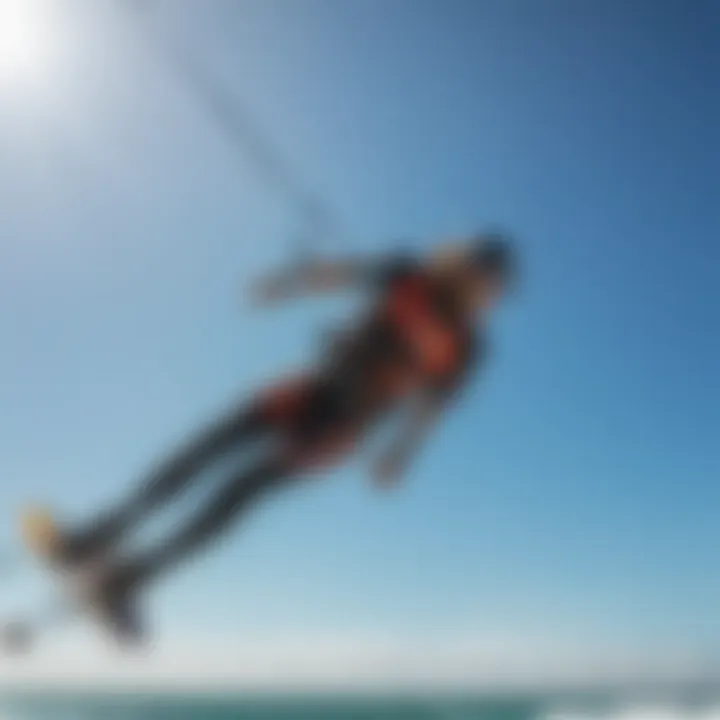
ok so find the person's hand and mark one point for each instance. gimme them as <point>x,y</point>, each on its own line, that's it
<point>388,470</point>
<point>268,291</point>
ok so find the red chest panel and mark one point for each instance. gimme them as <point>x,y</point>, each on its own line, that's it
<point>434,343</point>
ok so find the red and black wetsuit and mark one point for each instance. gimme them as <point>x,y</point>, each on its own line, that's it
<point>416,338</point>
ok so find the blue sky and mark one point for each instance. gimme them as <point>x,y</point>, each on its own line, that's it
<point>573,492</point>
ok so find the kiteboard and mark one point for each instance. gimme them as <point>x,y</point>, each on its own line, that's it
<point>78,595</point>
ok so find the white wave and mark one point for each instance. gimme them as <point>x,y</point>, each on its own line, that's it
<point>639,712</point>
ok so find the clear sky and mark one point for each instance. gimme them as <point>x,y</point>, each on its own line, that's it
<point>572,497</point>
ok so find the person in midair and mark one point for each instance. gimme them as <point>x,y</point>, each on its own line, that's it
<point>411,352</point>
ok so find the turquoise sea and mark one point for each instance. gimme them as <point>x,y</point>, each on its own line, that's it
<point>692,705</point>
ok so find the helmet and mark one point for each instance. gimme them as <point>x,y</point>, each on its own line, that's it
<point>492,252</point>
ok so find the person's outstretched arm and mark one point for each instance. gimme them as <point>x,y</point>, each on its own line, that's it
<point>324,276</point>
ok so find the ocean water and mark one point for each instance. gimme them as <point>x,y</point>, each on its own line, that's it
<point>558,707</point>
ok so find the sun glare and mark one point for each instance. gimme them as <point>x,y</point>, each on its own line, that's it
<point>25,57</point>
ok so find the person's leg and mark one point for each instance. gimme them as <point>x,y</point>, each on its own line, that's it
<point>216,518</point>
<point>313,434</point>
<point>235,497</point>
<point>167,481</point>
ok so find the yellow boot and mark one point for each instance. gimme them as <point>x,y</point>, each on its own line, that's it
<point>41,533</point>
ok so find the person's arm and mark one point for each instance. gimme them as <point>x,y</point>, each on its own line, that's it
<point>394,462</point>
<point>431,406</point>
<point>322,276</point>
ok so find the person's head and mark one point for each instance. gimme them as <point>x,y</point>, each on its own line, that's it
<point>492,268</point>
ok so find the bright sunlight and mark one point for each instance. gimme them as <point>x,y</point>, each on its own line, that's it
<point>25,44</point>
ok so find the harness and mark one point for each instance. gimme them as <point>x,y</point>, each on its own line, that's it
<point>420,314</point>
